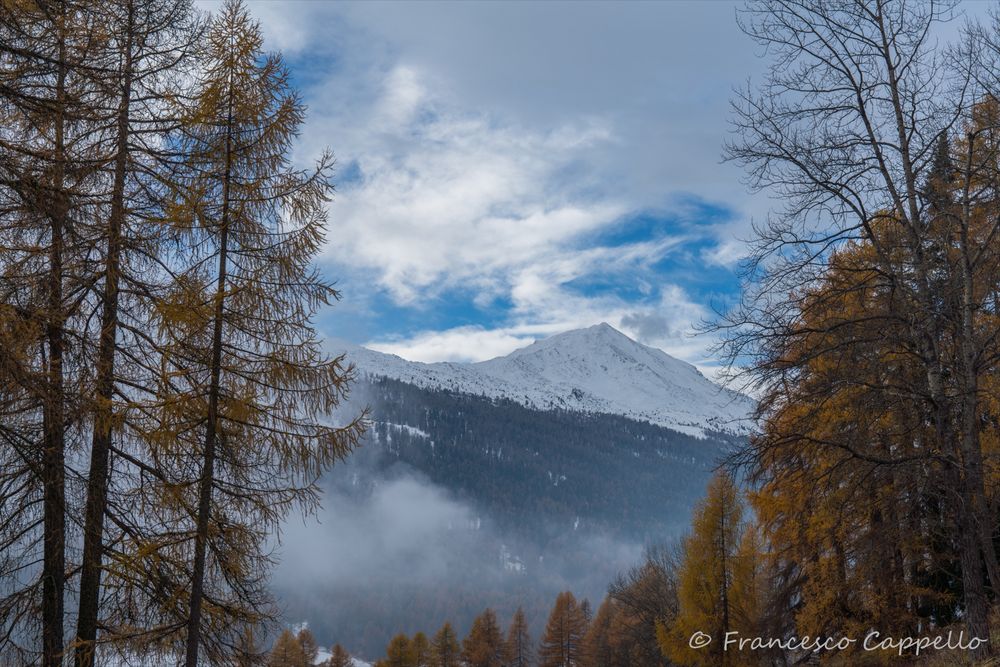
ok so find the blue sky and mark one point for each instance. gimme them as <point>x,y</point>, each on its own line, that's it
<point>511,170</point>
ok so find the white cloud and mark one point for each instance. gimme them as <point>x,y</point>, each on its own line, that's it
<point>484,151</point>
<point>469,343</point>
<point>402,98</point>
<point>669,323</point>
<point>402,530</point>
<point>446,198</point>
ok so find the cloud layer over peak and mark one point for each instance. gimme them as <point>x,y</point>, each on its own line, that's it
<point>508,171</point>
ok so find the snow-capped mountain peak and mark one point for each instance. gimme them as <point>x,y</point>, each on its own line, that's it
<point>596,369</point>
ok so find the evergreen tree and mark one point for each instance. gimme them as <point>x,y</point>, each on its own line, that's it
<point>562,644</point>
<point>445,651</point>
<point>484,647</point>
<point>519,651</point>
<point>246,386</point>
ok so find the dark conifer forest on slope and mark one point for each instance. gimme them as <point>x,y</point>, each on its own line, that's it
<point>554,500</point>
<point>537,471</point>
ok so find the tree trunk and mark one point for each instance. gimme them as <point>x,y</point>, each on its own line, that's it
<point>211,427</point>
<point>98,480</point>
<point>54,474</point>
<point>724,563</point>
<point>976,608</point>
<point>975,507</point>
<point>974,593</point>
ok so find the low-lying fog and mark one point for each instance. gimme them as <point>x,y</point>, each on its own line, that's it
<point>390,552</point>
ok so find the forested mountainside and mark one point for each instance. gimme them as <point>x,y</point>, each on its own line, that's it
<point>543,473</point>
<point>549,500</point>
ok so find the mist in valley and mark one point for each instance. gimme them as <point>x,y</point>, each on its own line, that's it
<point>391,552</point>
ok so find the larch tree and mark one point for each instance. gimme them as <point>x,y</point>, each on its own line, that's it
<point>148,47</point>
<point>602,643</point>
<point>845,130</point>
<point>48,148</point>
<point>445,651</point>
<point>484,646</point>
<point>398,653</point>
<point>562,643</point>
<point>420,650</point>
<point>125,203</point>
<point>247,394</point>
<point>247,652</point>
<point>858,499</point>
<point>711,580</point>
<point>307,640</point>
<point>287,652</point>
<point>643,597</point>
<point>863,542</point>
<point>519,649</point>
<point>339,657</point>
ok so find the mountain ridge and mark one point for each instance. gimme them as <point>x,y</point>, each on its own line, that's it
<point>501,483</point>
<point>596,369</point>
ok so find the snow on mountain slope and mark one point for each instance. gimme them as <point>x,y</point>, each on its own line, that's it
<point>597,369</point>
